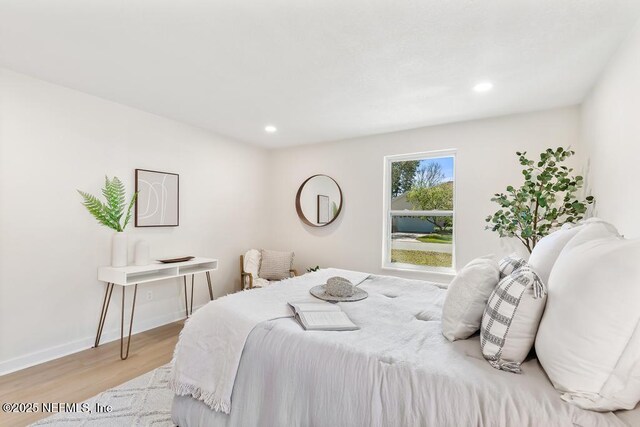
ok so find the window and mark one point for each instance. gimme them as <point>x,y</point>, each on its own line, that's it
<point>419,207</point>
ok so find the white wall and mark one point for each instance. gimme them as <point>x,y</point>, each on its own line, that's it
<point>55,140</point>
<point>486,163</point>
<point>610,135</point>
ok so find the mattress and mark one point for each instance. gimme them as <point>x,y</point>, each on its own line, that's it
<point>397,369</point>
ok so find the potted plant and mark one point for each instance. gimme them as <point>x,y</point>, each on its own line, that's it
<point>545,201</point>
<point>112,215</point>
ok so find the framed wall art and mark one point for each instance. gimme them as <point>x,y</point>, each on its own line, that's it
<point>158,202</point>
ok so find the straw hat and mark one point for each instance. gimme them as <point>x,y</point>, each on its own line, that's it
<point>338,289</point>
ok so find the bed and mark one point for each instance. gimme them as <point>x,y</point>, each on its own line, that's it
<point>397,369</point>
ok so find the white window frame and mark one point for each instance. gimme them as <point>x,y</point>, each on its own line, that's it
<point>387,213</point>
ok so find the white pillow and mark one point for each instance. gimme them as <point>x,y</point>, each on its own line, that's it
<point>252,262</point>
<point>467,296</point>
<point>511,318</point>
<point>593,229</point>
<point>589,337</point>
<point>547,250</point>
<point>252,265</point>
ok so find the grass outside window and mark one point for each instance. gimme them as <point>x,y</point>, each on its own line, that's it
<point>443,237</point>
<point>425,258</point>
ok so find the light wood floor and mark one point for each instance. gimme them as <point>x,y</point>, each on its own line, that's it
<point>77,377</point>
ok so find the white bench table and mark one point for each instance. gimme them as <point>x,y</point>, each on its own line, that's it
<point>133,275</point>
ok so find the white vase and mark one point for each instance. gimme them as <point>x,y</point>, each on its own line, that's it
<point>141,254</point>
<point>119,250</point>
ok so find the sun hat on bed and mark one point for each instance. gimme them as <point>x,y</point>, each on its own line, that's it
<point>338,289</point>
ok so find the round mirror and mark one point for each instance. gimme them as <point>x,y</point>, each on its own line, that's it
<point>319,201</point>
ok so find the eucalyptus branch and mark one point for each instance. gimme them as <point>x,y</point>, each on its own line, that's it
<point>546,200</point>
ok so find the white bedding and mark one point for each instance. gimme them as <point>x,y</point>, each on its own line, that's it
<point>397,369</point>
<point>217,333</point>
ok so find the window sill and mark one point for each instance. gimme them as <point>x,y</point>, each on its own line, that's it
<point>443,272</point>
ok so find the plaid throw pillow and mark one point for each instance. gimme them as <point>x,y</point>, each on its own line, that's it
<point>510,320</point>
<point>510,263</point>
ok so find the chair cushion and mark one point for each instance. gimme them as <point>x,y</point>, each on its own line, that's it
<point>467,297</point>
<point>275,265</point>
<point>511,319</point>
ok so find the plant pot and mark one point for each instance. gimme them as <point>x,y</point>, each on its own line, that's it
<point>119,250</point>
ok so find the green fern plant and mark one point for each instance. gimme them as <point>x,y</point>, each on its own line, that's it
<point>110,213</point>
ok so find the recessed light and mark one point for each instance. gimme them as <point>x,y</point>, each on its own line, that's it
<point>270,129</point>
<point>483,87</point>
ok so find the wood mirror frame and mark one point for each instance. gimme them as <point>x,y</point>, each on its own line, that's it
<point>301,215</point>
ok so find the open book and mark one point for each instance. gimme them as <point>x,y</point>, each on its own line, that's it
<point>322,316</point>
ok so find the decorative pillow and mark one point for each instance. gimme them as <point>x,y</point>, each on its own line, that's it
<point>467,297</point>
<point>511,318</point>
<point>547,250</point>
<point>275,265</point>
<point>593,229</point>
<point>510,263</point>
<point>589,337</point>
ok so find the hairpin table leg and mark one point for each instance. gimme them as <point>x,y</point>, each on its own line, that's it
<point>103,313</point>
<point>124,355</point>
<point>209,283</point>
<point>191,308</point>
<point>186,305</point>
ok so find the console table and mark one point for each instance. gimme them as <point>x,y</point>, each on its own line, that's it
<point>133,275</point>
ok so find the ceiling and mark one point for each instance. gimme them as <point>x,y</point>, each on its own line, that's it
<point>318,70</point>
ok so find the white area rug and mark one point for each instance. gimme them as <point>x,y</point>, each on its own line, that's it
<point>143,401</point>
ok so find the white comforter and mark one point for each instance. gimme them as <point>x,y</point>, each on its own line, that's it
<point>396,370</point>
<point>217,334</point>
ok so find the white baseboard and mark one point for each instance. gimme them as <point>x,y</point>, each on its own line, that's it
<point>55,352</point>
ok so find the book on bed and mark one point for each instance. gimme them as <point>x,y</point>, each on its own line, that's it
<point>322,316</point>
